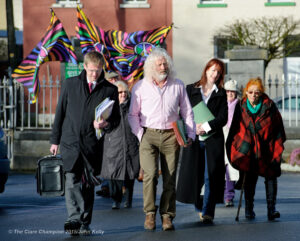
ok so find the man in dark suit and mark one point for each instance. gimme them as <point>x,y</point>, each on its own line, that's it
<point>74,130</point>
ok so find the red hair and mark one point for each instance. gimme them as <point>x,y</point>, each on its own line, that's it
<point>221,68</point>
<point>254,81</point>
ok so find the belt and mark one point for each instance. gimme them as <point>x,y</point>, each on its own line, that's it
<point>158,130</point>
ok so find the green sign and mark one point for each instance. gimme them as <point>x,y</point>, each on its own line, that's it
<point>72,70</point>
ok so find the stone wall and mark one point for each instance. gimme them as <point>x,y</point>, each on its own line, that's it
<point>30,146</point>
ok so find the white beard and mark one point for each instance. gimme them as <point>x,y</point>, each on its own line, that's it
<point>160,77</point>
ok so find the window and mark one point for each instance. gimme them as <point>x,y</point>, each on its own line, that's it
<point>272,3</point>
<point>135,1</point>
<point>135,4</point>
<point>3,49</point>
<point>66,4</point>
<point>221,44</point>
<point>292,46</point>
<point>212,3</point>
<point>279,1</point>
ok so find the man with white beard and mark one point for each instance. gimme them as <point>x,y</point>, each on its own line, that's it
<point>155,104</point>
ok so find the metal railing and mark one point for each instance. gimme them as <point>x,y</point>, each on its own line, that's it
<point>16,112</point>
<point>7,113</point>
<point>39,115</point>
<point>285,92</point>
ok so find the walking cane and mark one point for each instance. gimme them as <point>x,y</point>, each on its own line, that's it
<point>241,198</point>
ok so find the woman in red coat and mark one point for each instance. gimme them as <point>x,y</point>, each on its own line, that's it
<point>255,145</point>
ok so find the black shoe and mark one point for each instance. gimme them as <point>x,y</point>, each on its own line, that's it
<point>85,230</point>
<point>249,213</point>
<point>103,192</point>
<point>250,216</point>
<point>207,219</point>
<point>72,227</point>
<point>272,215</point>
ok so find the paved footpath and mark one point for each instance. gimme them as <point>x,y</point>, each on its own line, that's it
<point>25,215</point>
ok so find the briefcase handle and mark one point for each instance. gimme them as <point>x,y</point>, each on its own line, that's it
<point>53,156</point>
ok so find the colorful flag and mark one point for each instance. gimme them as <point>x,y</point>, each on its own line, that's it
<point>124,53</point>
<point>54,46</point>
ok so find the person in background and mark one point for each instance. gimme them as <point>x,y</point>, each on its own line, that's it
<point>121,154</point>
<point>104,191</point>
<point>203,162</point>
<point>112,76</point>
<point>231,175</point>
<point>74,130</point>
<point>255,145</point>
<point>155,102</point>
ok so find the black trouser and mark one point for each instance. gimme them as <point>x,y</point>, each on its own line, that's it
<point>250,185</point>
<point>115,189</point>
<point>79,196</point>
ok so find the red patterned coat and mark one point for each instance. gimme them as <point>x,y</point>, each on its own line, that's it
<point>255,142</point>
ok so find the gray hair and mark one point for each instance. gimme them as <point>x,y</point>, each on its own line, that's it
<point>149,66</point>
<point>120,83</point>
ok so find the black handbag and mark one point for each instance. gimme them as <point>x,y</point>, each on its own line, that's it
<point>50,176</point>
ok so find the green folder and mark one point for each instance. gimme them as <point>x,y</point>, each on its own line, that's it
<point>202,114</point>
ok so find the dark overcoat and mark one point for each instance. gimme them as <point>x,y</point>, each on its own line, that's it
<point>121,150</point>
<point>73,127</point>
<point>191,173</point>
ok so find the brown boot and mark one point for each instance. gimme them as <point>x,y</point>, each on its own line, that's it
<point>150,223</point>
<point>167,223</point>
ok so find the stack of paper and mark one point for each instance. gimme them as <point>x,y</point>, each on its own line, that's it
<point>180,132</point>
<point>201,115</point>
<point>103,111</point>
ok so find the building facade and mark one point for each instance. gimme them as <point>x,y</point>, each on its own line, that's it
<point>196,23</point>
<point>124,15</point>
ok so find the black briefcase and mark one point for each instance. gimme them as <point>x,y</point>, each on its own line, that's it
<point>50,176</point>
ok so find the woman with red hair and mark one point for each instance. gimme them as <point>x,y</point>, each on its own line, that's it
<point>255,145</point>
<point>202,163</point>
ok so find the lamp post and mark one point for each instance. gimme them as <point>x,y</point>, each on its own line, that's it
<point>11,39</point>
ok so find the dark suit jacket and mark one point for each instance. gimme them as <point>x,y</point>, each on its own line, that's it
<point>73,125</point>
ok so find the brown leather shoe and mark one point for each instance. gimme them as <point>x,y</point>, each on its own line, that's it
<point>167,223</point>
<point>150,223</point>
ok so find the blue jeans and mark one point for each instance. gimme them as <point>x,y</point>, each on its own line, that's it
<point>209,204</point>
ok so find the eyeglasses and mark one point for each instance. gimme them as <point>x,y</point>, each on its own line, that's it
<point>254,92</point>
<point>125,92</point>
<point>96,71</point>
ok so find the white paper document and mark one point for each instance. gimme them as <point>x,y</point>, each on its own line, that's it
<point>103,111</point>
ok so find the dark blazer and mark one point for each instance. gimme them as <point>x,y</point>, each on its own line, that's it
<point>121,150</point>
<point>191,173</point>
<point>73,126</point>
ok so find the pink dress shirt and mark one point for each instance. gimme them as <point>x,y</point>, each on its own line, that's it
<point>157,108</point>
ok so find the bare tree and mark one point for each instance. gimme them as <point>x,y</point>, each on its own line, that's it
<point>275,34</point>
